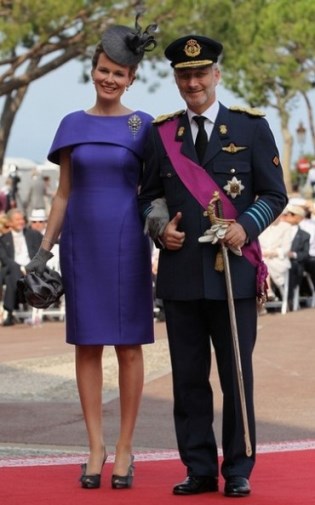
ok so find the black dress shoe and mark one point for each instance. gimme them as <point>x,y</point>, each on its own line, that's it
<point>196,485</point>
<point>9,321</point>
<point>236,486</point>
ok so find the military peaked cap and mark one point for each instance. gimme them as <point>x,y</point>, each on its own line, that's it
<point>193,51</point>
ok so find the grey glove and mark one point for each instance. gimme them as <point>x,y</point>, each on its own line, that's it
<point>38,263</point>
<point>157,218</point>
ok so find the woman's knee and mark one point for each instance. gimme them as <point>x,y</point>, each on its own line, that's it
<point>128,355</point>
<point>88,352</point>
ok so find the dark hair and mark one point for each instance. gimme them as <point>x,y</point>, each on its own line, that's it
<point>98,50</point>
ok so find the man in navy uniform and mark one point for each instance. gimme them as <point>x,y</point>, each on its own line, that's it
<point>232,152</point>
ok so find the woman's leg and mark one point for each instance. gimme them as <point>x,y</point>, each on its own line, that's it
<point>130,361</point>
<point>90,383</point>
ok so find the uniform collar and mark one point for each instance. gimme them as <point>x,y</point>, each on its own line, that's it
<point>211,113</point>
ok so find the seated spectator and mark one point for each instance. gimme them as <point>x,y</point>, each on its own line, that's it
<point>299,251</point>
<point>308,224</point>
<point>3,201</point>
<point>4,228</point>
<point>4,224</point>
<point>275,242</point>
<point>310,180</point>
<point>38,222</point>
<point>17,247</point>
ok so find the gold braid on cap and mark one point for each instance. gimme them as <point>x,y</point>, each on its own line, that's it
<point>195,63</point>
<point>139,41</point>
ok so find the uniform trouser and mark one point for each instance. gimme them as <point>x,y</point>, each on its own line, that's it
<point>190,326</point>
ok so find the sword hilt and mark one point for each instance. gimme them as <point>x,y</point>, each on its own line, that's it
<point>219,262</point>
<point>219,207</point>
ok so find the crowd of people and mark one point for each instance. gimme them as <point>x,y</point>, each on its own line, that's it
<point>22,225</point>
<point>20,238</point>
<point>288,249</point>
<point>39,193</point>
<point>205,185</point>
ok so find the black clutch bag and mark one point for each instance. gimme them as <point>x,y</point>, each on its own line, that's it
<point>40,291</point>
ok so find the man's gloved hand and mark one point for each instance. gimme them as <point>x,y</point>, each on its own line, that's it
<point>157,217</point>
<point>215,234</point>
<point>38,263</point>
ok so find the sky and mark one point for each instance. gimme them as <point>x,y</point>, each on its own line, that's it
<point>60,92</point>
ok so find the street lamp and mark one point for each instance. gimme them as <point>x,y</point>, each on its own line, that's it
<point>301,135</point>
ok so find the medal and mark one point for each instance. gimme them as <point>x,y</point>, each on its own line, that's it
<point>234,187</point>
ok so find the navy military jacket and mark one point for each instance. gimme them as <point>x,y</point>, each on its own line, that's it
<point>189,274</point>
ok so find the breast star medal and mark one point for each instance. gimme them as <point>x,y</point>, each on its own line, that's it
<point>233,187</point>
<point>134,124</point>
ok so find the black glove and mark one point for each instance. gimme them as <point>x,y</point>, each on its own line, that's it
<point>38,263</point>
<point>157,218</point>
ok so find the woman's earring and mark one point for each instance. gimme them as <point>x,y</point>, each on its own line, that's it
<point>127,88</point>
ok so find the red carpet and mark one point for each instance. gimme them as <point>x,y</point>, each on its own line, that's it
<point>280,478</point>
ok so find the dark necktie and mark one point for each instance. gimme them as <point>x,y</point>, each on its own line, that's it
<point>202,137</point>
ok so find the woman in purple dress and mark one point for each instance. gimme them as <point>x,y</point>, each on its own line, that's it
<point>105,256</point>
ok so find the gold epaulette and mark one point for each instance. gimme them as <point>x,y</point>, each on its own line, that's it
<point>251,111</point>
<point>167,117</point>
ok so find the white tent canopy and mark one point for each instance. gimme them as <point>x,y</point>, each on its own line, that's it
<point>12,164</point>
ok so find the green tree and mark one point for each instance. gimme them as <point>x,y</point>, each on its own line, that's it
<point>269,59</point>
<point>268,56</point>
<point>37,37</point>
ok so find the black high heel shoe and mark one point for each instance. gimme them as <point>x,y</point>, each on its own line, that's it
<point>124,481</point>
<point>92,481</point>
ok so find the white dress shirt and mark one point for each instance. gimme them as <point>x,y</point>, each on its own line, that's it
<point>21,255</point>
<point>210,114</point>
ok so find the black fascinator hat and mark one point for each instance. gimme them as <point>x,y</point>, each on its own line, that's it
<point>126,46</point>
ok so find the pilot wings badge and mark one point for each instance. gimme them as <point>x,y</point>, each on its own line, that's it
<point>232,148</point>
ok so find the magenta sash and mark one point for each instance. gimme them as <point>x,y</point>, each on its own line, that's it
<point>202,187</point>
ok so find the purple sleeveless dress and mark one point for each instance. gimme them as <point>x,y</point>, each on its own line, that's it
<point>105,257</point>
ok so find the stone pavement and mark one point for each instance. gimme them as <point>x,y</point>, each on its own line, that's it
<point>39,406</point>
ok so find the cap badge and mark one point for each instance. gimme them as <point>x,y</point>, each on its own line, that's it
<point>192,48</point>
<point>234,187</point>
<point>232,148</point>
<point>223,129</point>
<point>134,124</point>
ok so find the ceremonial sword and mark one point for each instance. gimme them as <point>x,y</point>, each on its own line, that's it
<point>216,203</point>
